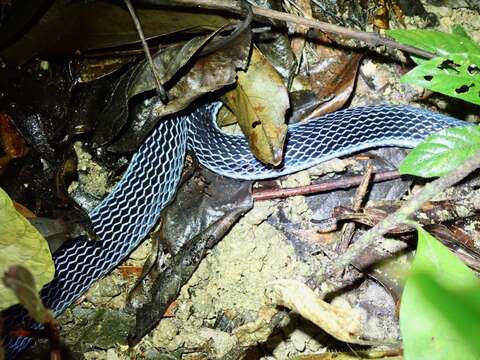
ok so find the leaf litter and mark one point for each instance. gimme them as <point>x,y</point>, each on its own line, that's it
<point>246,260</point>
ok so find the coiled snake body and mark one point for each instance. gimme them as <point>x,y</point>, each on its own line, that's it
<point>128,213</point>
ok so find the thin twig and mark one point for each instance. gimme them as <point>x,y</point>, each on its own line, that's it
<point>371,38</point>
<point>158,84</point>
<point>267,194</point>
<point>349,228</point>
<point>402,214</point>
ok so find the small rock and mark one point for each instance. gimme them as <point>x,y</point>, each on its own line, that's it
<point>299,340</point>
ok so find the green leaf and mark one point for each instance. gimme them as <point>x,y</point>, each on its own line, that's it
<point>21,243</point>
<point>437,42</point>
<point>456,75</point>
<point>442,152</point>
<point>440,309</point>
<point>459,30</point>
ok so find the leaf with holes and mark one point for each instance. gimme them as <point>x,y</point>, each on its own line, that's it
<point>259,102</point>
<point>436,42</point>
<point>456,75</point>
<point>440,308</point>
<point>21,243</point>
<point>440,153</point>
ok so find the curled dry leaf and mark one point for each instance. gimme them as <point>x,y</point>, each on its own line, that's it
<point>343,324</point>
<point>333,78</point>
<point>259,102</point>
<point>205,75</point>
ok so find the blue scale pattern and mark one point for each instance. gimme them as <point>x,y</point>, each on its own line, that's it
<point>128,213</point>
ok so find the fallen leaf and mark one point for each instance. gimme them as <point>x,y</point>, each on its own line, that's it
<point>21,243</point>
<point>259,102</point>
<point>302,8</point>
<point>343,324</point>
<point>205,75</point>
<point>332,78</point>
<point>71,26</point>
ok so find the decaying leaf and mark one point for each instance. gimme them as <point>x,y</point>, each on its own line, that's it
<point>139,79</point>
<point>259,102</point>
<point>70,26</point>
<point>21,243</point>
<point>275,46</point>
<point>91,69</point>
<point>205,75</point>
<point>343,324</point>
<point>381,14</point>
<point>332,75</point>
<point>302,8</point>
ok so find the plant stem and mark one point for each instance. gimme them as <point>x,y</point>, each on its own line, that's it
<point>344,183</point>
<point>402,214</point>
<point>158,84</point>
<point>370,38</point>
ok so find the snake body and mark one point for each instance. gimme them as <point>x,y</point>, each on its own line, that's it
<point>126,215</point>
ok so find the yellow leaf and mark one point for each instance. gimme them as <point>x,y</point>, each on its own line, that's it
<point>21,244</point>
<point>259,102</point>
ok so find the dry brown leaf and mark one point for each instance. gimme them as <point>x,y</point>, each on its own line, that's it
<point>343,324</point>
<point>259,102</point>
<point>334,79</point>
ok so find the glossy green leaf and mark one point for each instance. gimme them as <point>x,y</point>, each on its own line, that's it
<point>459,30</point>
<point>21,243</point>
<point>442,152</point>
<point>437,42</point>
<point>455,75</point>
<point>440,309</point>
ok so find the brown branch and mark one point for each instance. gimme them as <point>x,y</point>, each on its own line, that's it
<point>402,214</point>
<point>349,229</point>
<point>158,84</point>
<point>267,194</point>
<point>371,38</point>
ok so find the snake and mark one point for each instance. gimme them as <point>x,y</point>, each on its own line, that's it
<point>127,214</point>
